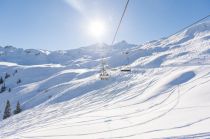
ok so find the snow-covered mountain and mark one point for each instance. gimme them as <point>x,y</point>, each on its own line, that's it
<point>64,57</point>
<point>166,95</point>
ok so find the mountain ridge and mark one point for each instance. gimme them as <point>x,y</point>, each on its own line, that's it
<point>165,95</point>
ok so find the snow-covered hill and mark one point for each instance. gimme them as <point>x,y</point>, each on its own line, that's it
<point>166,95</point>
<point>65,57</point>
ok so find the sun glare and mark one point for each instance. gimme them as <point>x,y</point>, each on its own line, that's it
<point>97,29</point>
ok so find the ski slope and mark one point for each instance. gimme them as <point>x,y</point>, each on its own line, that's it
<point>166,95</point>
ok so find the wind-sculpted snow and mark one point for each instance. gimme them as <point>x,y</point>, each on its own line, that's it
<point>184,77</point>
<point>166,94</point>
<point>156,62</point>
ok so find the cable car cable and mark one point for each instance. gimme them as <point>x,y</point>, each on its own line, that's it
<point>120,21</point>
<point>189,25</point>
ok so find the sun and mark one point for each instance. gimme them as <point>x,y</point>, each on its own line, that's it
<point>97,29</point>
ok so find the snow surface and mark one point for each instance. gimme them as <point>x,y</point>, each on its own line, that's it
<point>166,95</point>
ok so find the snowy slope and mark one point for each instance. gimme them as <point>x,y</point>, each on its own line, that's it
<point>165,96</point>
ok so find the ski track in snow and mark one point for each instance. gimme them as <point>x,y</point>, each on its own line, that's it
<point>166,95</point>
<point>126,116</point>
<point>138,124</point>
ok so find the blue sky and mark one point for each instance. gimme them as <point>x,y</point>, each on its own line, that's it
<point>63,24</point>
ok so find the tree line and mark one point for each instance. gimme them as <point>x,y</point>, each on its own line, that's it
<point>3,87</point>
<point>8,111</point>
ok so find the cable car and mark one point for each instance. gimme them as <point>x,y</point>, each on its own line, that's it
<point>126,69</point>
<point>104,75</point>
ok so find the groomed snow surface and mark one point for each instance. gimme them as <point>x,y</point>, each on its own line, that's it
<point>166,95</point>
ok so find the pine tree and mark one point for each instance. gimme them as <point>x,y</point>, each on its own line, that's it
<point>18,81</point>
<point>3,88</point>
<point>7,111</point>
<point>1,80</point>
<point>7,76</point>
<point>18,108</point>
<point>14,72</point>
